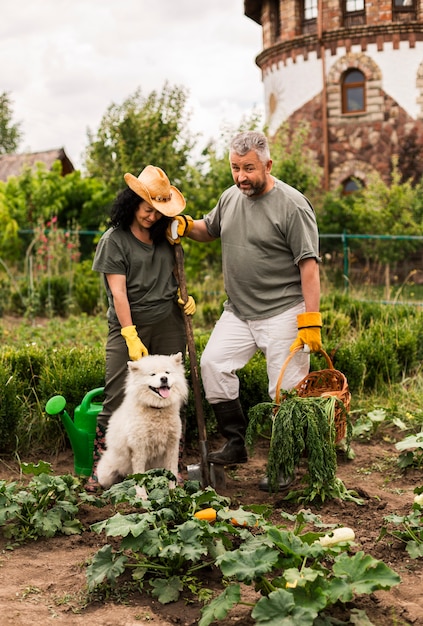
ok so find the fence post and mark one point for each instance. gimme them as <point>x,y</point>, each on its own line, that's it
<point>346,260</point>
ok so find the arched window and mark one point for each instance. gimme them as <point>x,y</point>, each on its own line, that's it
<point>353,92</point>
<point>350,185</point>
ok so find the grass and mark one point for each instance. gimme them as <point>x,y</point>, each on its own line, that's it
<point>402,401</point>
<point>75,331</point>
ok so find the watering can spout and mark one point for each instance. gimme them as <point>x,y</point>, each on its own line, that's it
<point>81,430</point>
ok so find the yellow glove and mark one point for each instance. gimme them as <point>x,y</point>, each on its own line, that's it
<point>309,332</point>
<point>136,348</point>
<point>181,226</point>
<point>189,307</point>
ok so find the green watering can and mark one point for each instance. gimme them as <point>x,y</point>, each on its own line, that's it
<point>80,430</point>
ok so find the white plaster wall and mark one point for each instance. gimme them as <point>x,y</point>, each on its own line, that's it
<point>294,84</point>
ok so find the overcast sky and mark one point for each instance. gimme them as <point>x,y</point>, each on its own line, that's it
<point>64,62</point>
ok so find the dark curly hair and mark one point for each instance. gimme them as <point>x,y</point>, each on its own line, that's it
<point>123,210</point>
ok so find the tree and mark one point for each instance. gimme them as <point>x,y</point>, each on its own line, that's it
<point>39,195</point>
<point>10,135</point>
<point>292,162</point>
<point>141,131</point>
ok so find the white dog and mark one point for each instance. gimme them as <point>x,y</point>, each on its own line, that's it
<point>144,432</point>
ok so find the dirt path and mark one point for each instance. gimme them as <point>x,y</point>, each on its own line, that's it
<point>44,582</point>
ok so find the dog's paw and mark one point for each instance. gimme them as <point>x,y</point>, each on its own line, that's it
<point>141,492</point>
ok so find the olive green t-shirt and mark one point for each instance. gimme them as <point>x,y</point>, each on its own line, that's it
<point>150,282</point>
<point>263,239</point>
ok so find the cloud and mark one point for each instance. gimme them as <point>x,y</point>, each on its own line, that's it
<point>64,62</point>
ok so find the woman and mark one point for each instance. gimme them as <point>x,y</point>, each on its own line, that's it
<point>138,265</point>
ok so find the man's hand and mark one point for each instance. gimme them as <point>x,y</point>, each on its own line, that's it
<point>309,332</point>
<point>136,348</point>
<point>181,226</point>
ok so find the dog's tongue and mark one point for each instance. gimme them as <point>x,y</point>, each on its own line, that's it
<point>164,392</point>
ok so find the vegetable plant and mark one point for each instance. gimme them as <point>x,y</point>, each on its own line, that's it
<point>47,506</point>
<point>407,528</point>
<point>411,448</point>
<point>299,425</point>
<point>297,574</point>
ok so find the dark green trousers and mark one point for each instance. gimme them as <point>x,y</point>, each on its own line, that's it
<point>164,337</point>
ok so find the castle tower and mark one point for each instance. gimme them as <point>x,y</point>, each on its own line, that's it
<point>354,70</point>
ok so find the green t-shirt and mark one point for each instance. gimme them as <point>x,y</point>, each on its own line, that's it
<point>263,239</point>
<point>150,282</point>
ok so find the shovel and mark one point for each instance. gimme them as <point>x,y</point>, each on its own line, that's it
<point>201,424</point>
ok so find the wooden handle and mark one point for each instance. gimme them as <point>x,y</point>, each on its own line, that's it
<point>285,365</point>
<point>201,424</point>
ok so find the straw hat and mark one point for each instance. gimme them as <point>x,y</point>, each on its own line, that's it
<point>153,186</point>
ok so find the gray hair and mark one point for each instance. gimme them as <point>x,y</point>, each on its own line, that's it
<point>251,140</point>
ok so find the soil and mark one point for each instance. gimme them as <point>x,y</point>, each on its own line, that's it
<point>43,582</point>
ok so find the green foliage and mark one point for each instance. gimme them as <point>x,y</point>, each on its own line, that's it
<point>11,409</point>
<point>88,290</point>
<point>54,294</point>
<point>372,344</point>
<point>292,162</point>
<point>163,546</point>
<point>295,576</point>
<point>299,425</point>
<point>367,425</point>
<point>10,134</point>
<point>408,529</point>
<point>141,131</point>
<point>38,195</point>
<point>45,507</point>
<point>34,375</point>
<point>411,451</point>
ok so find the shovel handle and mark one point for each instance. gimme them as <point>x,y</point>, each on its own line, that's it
<point>201,424</point>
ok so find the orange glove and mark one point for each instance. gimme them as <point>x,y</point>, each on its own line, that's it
<point>309,332</point>
<point>136,348</point>
<point>181,226</point>
<point>189,307</point>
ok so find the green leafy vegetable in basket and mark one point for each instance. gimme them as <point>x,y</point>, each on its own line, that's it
<point>296,426</point>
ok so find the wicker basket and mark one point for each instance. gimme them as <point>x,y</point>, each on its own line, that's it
<point>327,382</point>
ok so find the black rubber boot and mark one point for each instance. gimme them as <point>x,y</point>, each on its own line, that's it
<point>232,425</point>
<point>283,483</point>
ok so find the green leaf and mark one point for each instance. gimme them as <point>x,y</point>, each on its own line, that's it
<point>246,565</point>
<point>166,590</point>
<point>412,441</point>
<point>414,549</point>
<point>280,609</point>
<point>42,467</point>
<point>220,606</point>
<point>291,545</point>
<point>122,525</point>
<point>378,415</point>
<point>187,542</point>
<point>105,565</point>
<point>364,573</point>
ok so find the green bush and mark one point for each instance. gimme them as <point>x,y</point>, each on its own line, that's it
<point>11,409</point>
<point>54,296</point>
<point>67,357</point>
<point>88,290</point>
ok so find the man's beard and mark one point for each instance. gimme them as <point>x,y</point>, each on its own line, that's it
<point>253,190</point>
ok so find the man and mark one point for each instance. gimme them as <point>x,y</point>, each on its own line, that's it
<point>270,266</point>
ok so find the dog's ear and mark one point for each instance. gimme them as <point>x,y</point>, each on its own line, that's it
<point>132,365</point>
<point>178,358</point>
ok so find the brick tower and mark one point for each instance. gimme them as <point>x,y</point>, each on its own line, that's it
<point>354,70</point>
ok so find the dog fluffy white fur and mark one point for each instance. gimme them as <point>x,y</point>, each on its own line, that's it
<point>144,432</point>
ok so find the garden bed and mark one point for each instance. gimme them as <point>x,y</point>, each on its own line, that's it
<point>44,581</point>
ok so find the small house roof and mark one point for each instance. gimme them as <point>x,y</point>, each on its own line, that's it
<point>14,164</point>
